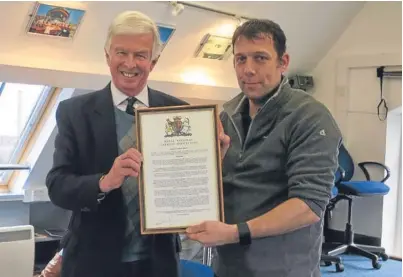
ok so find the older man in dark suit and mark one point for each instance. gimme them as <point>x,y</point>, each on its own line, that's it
<point>95,164</point>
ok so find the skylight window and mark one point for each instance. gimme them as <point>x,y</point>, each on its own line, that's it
<point>166,33</point>
<point>21,106</point>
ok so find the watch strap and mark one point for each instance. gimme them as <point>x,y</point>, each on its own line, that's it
<point>245,237</point>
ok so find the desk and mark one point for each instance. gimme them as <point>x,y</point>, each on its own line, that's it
<point>45,248</point>
<point>42,235</point>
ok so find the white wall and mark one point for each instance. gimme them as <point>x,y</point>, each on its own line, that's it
<point>13,213</point>
<point>345,80</point>
<point>398,231</point>
<point>377,29</point>
<point>392,214</point>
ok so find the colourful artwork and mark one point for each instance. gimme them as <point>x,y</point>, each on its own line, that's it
<point>55,21</point>
<point>177,127</point>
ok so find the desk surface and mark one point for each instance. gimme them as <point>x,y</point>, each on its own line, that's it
<point>46,246</point>
<point>42,235</point>
<point>45,238</point>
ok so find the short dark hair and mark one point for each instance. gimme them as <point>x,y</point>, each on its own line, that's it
<point>254,29</point>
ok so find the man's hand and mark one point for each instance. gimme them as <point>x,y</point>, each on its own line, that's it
<point>213,233</point>
<point>224,139</point>
<point>127,164</point>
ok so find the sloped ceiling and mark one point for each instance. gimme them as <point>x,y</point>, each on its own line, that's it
<point>311,27</point>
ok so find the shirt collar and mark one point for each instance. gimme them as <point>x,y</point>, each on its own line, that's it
<point>119,97</point>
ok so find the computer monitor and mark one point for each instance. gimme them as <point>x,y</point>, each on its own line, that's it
<point>17,251</point>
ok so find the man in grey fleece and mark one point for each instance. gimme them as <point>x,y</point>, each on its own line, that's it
<point>279,169</point>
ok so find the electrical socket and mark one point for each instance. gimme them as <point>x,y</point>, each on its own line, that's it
<point>36,195</point>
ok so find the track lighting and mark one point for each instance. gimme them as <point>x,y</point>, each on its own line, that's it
<point>177,8</point>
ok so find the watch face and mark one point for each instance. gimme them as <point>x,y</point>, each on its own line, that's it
<point>101,196</point>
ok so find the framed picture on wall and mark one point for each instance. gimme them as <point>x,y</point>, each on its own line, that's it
<point>54,20</point>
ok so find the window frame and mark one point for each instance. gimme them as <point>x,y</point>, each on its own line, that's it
<point>27,133</point>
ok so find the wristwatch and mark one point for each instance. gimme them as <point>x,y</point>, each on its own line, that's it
<point>245,237</point>
<point>101,196</point>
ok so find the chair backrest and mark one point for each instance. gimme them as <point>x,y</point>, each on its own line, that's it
<point>346,162</point>
<point>335,191</point>
<point>17,251</point>
<point>195,269</point>
<point>338,175</point>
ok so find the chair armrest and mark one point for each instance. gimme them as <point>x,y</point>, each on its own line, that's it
<point>366,173</point>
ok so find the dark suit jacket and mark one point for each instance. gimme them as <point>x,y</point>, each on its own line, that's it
<point>85,149</point>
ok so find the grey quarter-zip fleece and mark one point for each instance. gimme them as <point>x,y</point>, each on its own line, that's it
<point>289,151</point>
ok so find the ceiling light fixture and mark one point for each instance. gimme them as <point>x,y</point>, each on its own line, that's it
<point>239,20</point>
<point>177,8</point>
<point>214,47</point>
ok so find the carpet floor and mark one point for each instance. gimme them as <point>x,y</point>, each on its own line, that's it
<point>359,267</point>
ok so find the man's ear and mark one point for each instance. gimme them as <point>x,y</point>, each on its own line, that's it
<point>284,62</point>
<point>154,62</point>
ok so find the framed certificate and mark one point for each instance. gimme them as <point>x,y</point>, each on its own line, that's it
<point>180,181</point>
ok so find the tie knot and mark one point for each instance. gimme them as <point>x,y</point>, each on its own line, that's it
<point>131,100</point>
<point>130,103</point>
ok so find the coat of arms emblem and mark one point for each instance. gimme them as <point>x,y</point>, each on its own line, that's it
<point>177,127</point>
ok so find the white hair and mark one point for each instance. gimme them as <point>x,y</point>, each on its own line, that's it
<point>133,22</point>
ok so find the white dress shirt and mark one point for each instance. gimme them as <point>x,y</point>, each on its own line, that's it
<point>120,99</point>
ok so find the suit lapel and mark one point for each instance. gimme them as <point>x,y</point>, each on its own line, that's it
<point>102,119</point>
<point>154,99</point>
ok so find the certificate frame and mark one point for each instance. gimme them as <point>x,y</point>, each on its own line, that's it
<point>171,111</point>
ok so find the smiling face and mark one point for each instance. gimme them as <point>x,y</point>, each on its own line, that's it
<point>130,61</point>
<point>257,65</point>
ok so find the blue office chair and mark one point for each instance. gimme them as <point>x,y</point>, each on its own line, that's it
<point>349,189</point>
<point>195,269</point>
